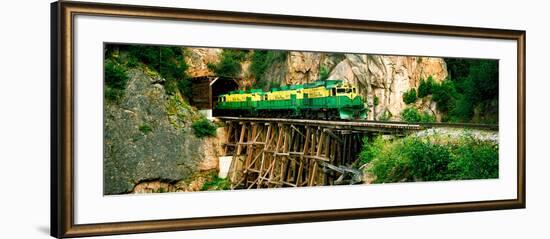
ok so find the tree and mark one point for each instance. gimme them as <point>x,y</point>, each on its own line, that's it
<point>409,96</point>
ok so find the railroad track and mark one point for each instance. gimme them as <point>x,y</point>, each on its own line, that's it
<point>367,124</point>
<point>440,125</point>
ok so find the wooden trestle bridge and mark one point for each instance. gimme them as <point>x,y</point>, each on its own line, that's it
<point>298,152</point>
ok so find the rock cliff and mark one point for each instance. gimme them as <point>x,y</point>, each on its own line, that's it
<point>148,137</point>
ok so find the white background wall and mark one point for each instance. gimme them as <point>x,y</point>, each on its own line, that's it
<point>24,121</point>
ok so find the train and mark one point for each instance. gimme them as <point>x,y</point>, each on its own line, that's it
<point>322,99</point>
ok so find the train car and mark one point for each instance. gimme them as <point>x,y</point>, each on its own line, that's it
<point>330,99</point>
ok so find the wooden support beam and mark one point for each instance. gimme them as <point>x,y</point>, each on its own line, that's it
<point>303,153</point>
<point>241,139</point>
<point>333,135</point>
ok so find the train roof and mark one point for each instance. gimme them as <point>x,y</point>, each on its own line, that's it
<point>326,83</point>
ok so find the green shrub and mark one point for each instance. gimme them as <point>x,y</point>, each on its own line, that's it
<point>115,80</point>
<point>427,118</point>
<point>444,95</point>
<point>370,149</point>
<point>145,128</point>
<point>423,88</point>
<point>229,64</point>
<point>204,128</point>
<point>324,73</point>
<point>416,159</point>
<point>475,159</point>
<point>216,183</point>
<point>412,115</point>
<point>375,101</point>
<point>385,115</point>
<point>389,164</point>
<point>409,97</point>
<point>428,162</point>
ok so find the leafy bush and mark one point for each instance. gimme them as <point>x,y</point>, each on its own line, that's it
<point>444,95</point>
<point>412,115</point>
<point>323,73</point>
<point>423,88</point>
<point>216,183</point>
<point>115,80</point>
<point>370,149</point>
<point>416,159</point>
<point>475,159</point>
<point>388,163</point>
<point>204,128</point>
<point>145,128</point>
<point>428,162</point>
<point>229,64</point>
<point>409,96</point>
<point>385,115</point>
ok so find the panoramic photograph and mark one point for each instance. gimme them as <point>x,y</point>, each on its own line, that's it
<point>188,119</point>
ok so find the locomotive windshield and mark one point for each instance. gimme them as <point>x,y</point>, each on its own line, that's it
<point>343,90</point>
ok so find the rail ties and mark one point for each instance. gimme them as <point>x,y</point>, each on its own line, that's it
<point>337,124</point>
<point>364,125</point>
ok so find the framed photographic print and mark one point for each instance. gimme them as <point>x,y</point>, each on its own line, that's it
<point>172,119</point>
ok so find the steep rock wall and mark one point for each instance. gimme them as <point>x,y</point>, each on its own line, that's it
<point>148,137</point>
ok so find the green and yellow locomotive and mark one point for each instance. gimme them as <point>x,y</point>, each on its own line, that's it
<point>330,99</point>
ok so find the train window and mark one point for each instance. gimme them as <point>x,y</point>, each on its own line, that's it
<point>333,91</point>
<point>343,90</point>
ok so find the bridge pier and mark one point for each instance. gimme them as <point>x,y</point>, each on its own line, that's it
<point>279,154</point>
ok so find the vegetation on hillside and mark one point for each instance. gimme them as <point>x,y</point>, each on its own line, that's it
<point>470,94</point>
<point>204,128</point>
<point>412,115</point>
<point>429,159</point>
<point>409,97</point>
<point>213,182</point>
<point>168,62</point>
<point>229,64</point>
<point>261,60</point>
<point>115,80</point>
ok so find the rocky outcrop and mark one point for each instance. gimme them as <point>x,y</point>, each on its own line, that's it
<point>387,78</point>
<point>303,67</point>
<point>147,136</point>
<point>198,58</point>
